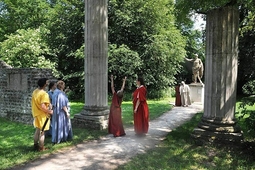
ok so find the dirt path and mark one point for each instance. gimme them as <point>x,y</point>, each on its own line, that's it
<point>109,152</point>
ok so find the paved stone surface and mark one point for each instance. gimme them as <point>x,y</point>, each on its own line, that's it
<point>109,152</point>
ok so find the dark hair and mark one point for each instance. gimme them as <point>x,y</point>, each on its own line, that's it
<point>140,79</point>
<point>51,84</point>
<point>120,94</point>
<point>41,82</point>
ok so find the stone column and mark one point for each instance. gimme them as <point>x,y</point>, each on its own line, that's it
<point>95,113</point>
<point>218,122</point>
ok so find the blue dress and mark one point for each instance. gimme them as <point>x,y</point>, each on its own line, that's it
<point>48,132</point>
<point>61,124</point>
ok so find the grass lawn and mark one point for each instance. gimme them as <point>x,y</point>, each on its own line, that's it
<point>178,152</point>
<point>16,146</point>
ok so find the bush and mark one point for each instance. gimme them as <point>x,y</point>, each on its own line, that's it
<point>246,116</point>
<point>249,87</point>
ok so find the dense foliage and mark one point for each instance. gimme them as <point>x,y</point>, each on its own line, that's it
<point>148,38</point>
<point>148,28</point>
<point>27,49</point>
<point>143,39</point>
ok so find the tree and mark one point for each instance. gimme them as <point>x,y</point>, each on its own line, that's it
<point>148,27</point>
<point>66,39</point>
<point>21,14</point>
<point>27,49</point>
<point>64,20</point>
<point>246,73</point>
<point>123,62</point>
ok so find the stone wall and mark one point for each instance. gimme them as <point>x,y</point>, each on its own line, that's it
<point>16,87</point>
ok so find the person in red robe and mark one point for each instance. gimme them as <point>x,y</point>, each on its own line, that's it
<point>141,110</point>
<point>115,125</point>
<point>177,96</point>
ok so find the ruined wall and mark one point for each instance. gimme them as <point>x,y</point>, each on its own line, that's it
<point>16,87</point>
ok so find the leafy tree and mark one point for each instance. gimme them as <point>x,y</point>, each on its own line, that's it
<point>21,14</point>
<point>26,49</point>
<point>66,39</point>
<point>246,73</point>
<point>187,8</point>
<point>148,27</point>
<point>64,19</point>
<point>123,62</point>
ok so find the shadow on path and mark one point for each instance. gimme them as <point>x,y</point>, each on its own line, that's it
<point>110,152</point>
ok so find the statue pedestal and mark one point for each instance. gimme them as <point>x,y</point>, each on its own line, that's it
<point>196,92</point>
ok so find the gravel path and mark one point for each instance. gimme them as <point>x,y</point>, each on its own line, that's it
<point>109,152</point>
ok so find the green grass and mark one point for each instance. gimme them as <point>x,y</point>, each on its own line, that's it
<point>246,125</point>
<point>178,152</point>
<point>156,108</point>
<point>16,146</point>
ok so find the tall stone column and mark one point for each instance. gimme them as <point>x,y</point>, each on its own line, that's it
<point>95,113</point>
<point>218,122</point>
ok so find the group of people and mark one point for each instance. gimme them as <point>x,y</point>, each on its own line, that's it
<point>182,93</point>
<point>51,113</point>
<point>140,110</point>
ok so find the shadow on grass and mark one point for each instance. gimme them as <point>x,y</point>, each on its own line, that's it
<point>179,151</point>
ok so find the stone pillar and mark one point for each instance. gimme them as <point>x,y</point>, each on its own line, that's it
<point>95,113</point>
<point>218,122</point>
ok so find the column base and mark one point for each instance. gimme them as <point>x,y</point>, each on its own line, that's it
<point>96,120</point>
<point>220,132</point>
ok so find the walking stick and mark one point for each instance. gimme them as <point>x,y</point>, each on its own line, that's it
<point>45,123</point>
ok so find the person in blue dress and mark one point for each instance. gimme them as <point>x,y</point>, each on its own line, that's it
<point>61,122</point>
<point>52,87</point>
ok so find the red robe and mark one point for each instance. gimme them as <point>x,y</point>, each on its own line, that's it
<point>115,125</point>
<point>177,96</point>
<point>141,117</point>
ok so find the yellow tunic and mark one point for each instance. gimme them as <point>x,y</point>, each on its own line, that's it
<point>39,97</point>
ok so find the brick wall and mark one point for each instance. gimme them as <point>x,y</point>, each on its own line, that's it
<point>16,87</point>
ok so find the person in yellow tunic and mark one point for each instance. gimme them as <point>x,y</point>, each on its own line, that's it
<point>41,110</point>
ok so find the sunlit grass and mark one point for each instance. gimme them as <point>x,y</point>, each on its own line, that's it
<point>16,146</point>
<point>156,108</point>
<point>178,152</point>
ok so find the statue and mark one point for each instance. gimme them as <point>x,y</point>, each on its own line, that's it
<point>197,69</point>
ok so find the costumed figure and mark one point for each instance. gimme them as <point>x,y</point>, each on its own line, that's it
<point>115,125</point>
<point>184,92</point>
<point>141,109</point>
<point>177,96</point>
<point>61,122</point>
